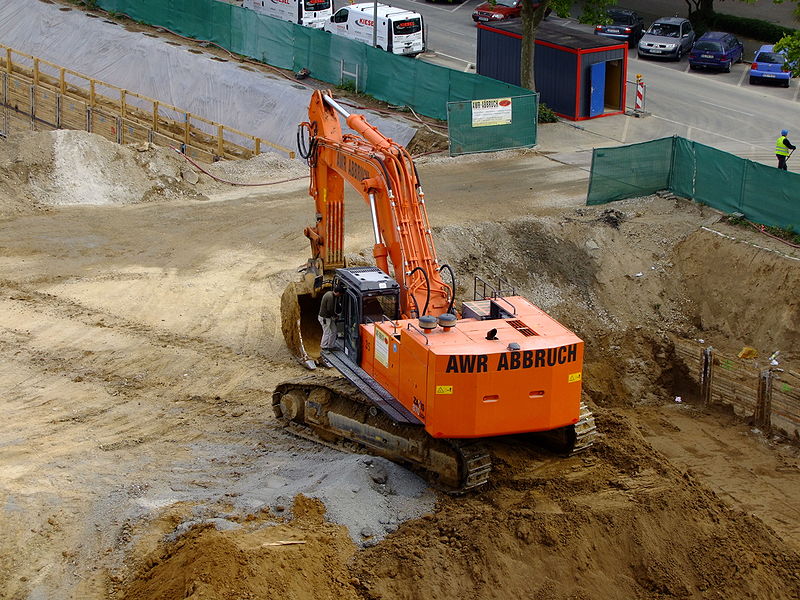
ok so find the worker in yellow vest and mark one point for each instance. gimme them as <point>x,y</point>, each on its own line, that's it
<point>782,149</point>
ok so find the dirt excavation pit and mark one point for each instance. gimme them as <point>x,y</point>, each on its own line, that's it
<point>141,343</point>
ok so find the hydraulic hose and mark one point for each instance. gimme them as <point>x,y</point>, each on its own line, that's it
<point>416,305</point>
<point>427,287</point>
<point>452,288</point>
<point>306,150</point>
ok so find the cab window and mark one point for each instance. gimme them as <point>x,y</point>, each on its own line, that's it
<point>340,16</point>
<point>377,307</point>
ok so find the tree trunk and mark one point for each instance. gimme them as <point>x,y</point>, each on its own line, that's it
<point>530,21</point>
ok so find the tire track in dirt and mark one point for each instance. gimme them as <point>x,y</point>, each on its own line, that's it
<point>96,319</point>
<point>115,396</point>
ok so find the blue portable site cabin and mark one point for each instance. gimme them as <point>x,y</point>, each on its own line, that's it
<point>578,75</point>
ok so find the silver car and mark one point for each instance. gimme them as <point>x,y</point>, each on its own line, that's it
<point>667,37</point>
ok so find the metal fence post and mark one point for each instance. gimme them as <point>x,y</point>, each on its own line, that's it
<point>343,72</point>
<point>32,98</point>
<point>706,375</point>
<point>763,412</point>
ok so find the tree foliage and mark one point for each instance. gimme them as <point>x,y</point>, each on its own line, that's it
<point>790,46</point>
<point>707,6</point>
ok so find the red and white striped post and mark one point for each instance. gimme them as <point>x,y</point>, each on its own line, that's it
<point>638,105</point>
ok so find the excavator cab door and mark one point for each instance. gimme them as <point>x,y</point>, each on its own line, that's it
<point>369,295</point>
<point>351,318</point>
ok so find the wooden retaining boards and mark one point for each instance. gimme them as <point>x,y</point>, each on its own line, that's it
<point>52,96</point>
<point>768,395</point>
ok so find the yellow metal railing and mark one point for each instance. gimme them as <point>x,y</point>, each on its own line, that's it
<point>54,96</point>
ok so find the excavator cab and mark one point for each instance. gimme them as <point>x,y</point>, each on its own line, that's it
<point>370,296</point>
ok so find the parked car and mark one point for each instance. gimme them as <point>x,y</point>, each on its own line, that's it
<point>769,65</point>
<point>626,25</point>
<point>716,50</point>
<point>667,37</point>
<point>500,11</point>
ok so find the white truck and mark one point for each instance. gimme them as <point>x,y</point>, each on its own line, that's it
<point>399,31</point>
<point>310,13</point>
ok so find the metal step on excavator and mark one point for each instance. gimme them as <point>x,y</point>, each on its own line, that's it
<point>422,383</point>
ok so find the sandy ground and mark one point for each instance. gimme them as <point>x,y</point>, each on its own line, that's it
<point>140,339</point>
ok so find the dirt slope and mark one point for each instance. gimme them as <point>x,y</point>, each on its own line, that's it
<point>623,523</point>
<point>141,342</point>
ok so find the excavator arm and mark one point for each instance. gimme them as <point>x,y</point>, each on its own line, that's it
<point>383,173</point>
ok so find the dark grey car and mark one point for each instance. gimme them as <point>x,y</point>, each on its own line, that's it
<point>667,37</point>
<point>626,25</point>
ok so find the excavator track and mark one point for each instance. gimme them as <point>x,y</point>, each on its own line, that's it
<point>331,411</point>
<point>572,439</point>
<point>585,431</point>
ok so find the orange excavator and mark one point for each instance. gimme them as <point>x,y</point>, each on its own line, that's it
<point>423,383</point>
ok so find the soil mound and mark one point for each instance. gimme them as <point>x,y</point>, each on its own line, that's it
<point>622,523</point>
<point>298,560</point>
<point>65,167</point>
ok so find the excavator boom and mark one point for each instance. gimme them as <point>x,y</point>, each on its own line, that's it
<point>384,174</point>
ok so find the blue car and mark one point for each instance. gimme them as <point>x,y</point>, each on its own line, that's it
<point>716,50</point>
<point>769,65</point>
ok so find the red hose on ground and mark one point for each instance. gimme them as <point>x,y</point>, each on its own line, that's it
<point>763,229</point>
<point>215,178</point>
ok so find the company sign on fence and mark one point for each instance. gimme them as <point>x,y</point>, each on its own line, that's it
<point>496,111</point>
<point>492,124</point>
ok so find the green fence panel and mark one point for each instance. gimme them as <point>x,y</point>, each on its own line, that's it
<point>329,56</point>
<point>630,171</point>
<point>718,180</point>
<point>468,86</point>
<point>684,167</point>
<point>200,19</point>
<point>771,196</point>
<point>398,80</point>
<point>388,78</point>
<point>721,180</point>
<point>219,28</point>
<point>468,135</point>
<point>264,38</point>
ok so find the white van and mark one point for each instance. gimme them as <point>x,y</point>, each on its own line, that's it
<point>400,31</point>
<point>310,13</point>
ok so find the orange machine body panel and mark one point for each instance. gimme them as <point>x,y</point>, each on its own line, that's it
<point>461,385</point>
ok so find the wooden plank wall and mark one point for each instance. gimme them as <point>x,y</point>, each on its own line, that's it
<point>47,96</point>
<point>767,395</point>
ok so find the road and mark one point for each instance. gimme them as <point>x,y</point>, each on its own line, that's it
<point>719,109</point>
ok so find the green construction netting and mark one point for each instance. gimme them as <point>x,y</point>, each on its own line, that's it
<point>630,171</point>
<point>771,196</point>
<point>466,137</point>
<point>721,180</point>
<point>398,80</point>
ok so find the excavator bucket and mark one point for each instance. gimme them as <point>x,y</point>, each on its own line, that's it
<point>301,329</point>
